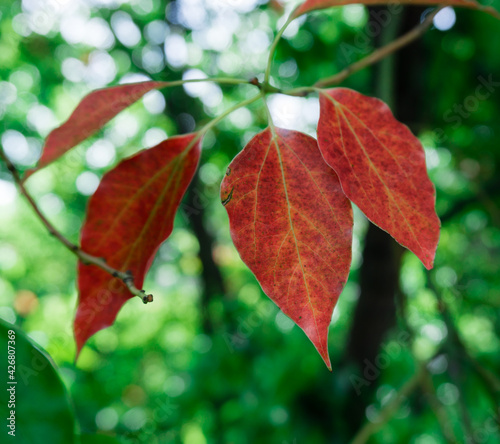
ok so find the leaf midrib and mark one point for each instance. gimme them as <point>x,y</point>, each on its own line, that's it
<point>155,209</point>
<point>139,192</point>
<point>90,117</point>
<point>372,166</point>
<point>278,151</point>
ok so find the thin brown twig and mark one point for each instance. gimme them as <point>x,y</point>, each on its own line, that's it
<point>391,407</point>
<point>462,353</point>
<point>380,53</point>
<point>87,259</point>
<point>84,257</point>
<point>438,409</point>
<point>459,351</point>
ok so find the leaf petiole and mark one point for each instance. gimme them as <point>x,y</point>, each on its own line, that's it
<point>274,45</point>
<point>301,91</point>
<point>226,113</point>
<point>219,80</point>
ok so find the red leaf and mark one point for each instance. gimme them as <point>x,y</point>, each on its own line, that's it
<point>129,216</point>
<point>381,166</point>
<point>92,113</point>
<point>313,5</point>
<point>292,225</point>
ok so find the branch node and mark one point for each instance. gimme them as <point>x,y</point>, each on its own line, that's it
<point>264,86</point>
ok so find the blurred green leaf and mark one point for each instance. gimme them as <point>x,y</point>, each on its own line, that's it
<point>97,439</point>
<point>43,411</point>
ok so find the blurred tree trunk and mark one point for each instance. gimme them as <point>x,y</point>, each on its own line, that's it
<point>376,309</point>
<point>194,204</point>
<point>397,82</point>
<point>212,280</point>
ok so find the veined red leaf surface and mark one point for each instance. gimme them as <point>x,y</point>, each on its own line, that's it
<point>129,216</point>
<point>313,5</point>
<point>292,225</point>
<point>92,113</point>
<point>381,166</point>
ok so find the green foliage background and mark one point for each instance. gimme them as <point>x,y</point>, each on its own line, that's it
<point>212,360</point>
